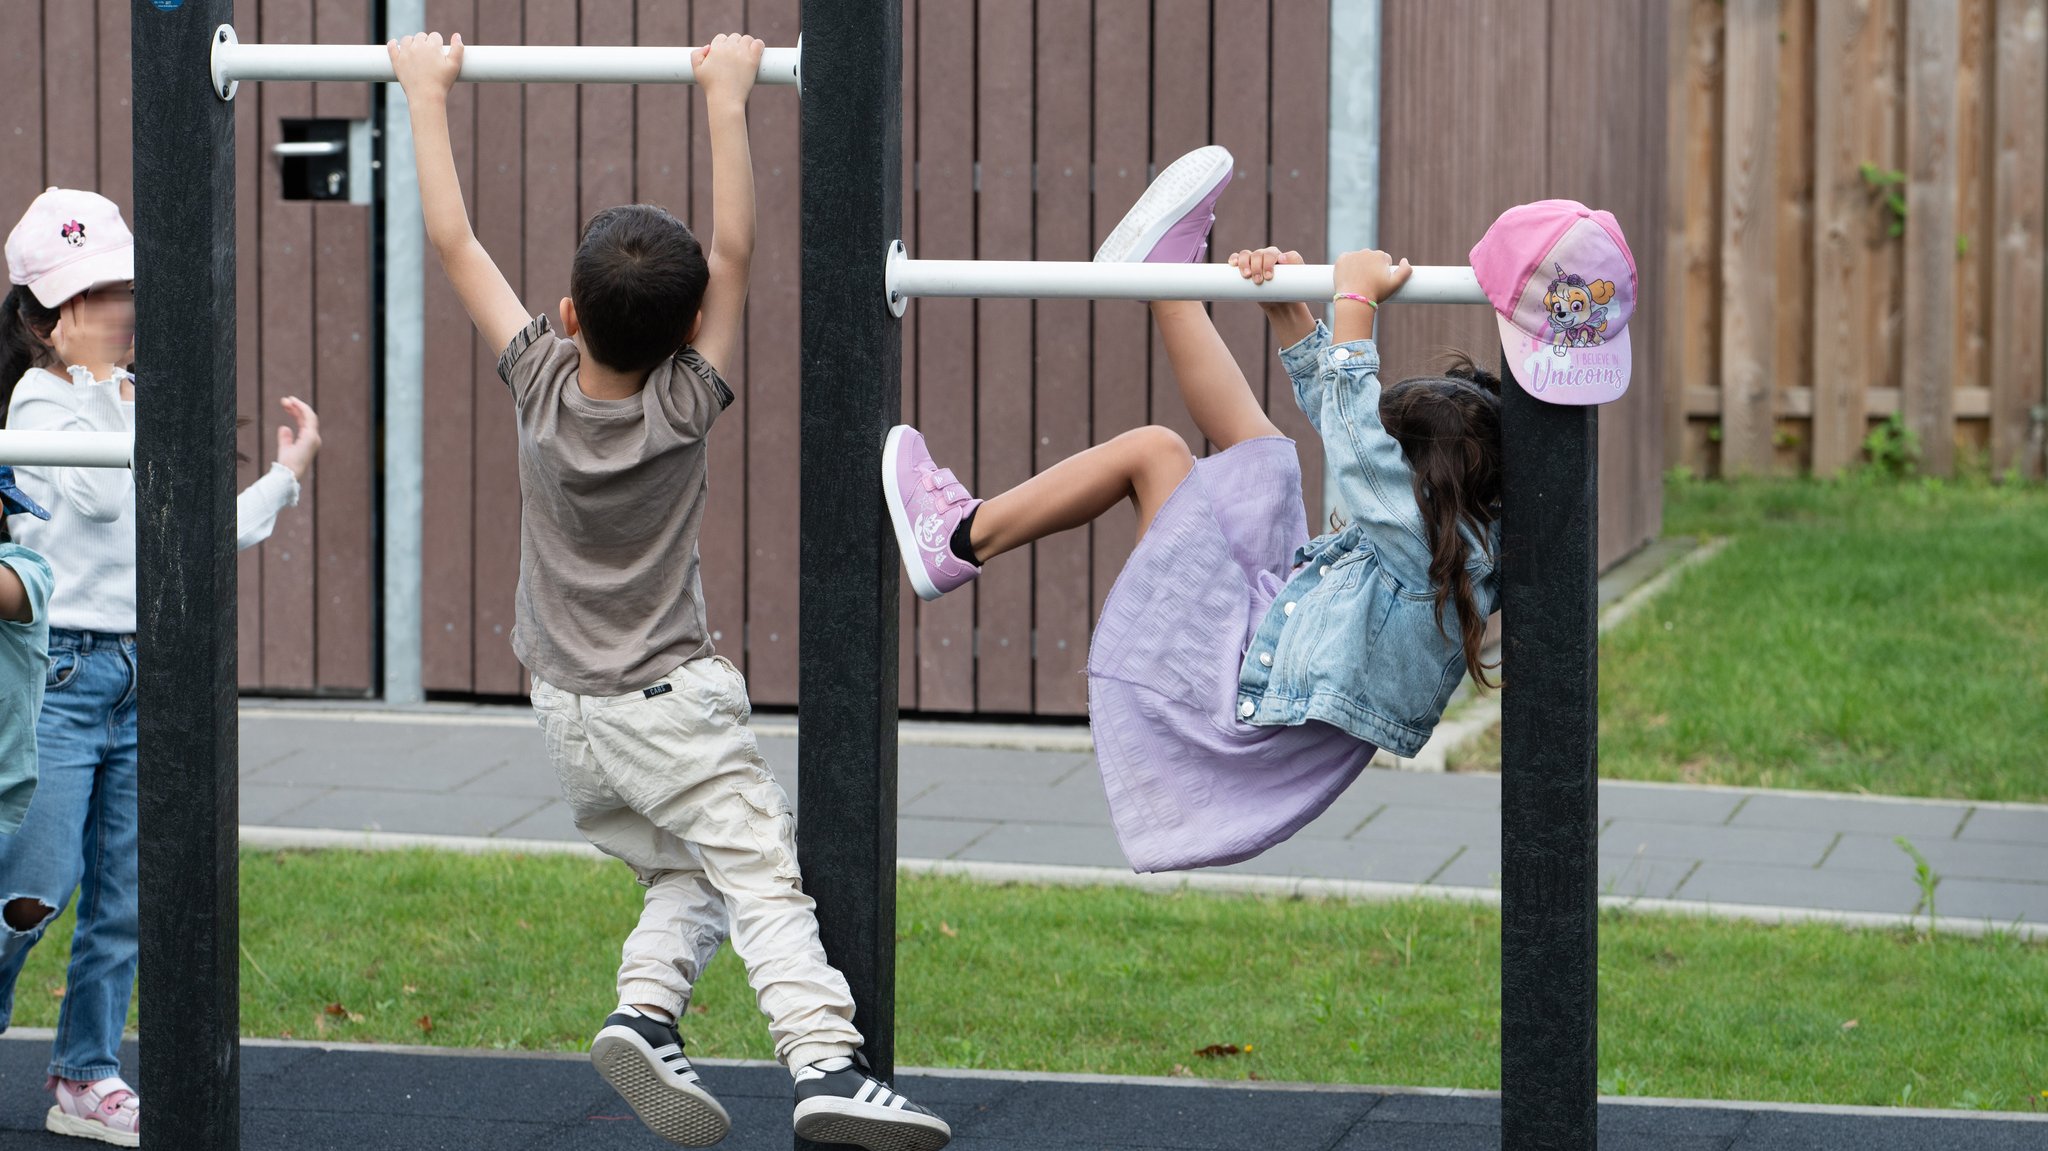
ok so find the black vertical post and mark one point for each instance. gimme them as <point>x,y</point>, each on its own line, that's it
<point>1549,765</point>
<point>852,131</point>
<point>185,498</point>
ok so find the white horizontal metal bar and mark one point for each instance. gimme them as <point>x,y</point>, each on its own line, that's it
<point>309,148</point>
<point>67,449</point>
<point>234,62</point>
<point>1076,280</point>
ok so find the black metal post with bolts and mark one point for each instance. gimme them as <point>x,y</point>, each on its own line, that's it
<point>852,358</point>
<point>1549,1051</point>
<point>185,587</point>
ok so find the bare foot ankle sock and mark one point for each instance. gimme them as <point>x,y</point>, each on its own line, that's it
<point>962,544</point>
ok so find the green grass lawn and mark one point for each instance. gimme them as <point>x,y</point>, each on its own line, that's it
<point>1856,635</point>
<point>519,952</point>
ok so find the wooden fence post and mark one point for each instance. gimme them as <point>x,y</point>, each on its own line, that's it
<point>1749,258</point>
<point>1927,386</point>
<point>2017,266</point>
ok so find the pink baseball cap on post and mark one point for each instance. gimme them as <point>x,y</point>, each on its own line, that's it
<point>69,241</point>
<point>1563,286</point>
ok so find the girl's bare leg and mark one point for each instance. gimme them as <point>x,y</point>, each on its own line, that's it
<point>1210,380</point>
<point>1144,466</point>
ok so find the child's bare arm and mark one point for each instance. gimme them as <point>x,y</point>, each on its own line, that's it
<point>1291,321</point>
<point>14,605</point>
<point>725,71</point>
<point>427,70</point>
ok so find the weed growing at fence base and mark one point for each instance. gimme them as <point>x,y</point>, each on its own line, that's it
<point>504,951</point>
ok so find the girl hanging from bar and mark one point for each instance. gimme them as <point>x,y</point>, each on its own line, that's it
<point>67,344</point>
<point>1242,673</point>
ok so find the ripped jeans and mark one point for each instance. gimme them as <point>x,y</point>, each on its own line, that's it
<point>671,781</point>
<point>80,835</point>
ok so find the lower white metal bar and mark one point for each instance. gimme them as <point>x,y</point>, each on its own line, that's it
<point>1046,280</point>
<point>234,62</point>
<point>67,449</point>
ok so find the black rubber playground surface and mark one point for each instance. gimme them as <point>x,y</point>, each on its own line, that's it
<point>305,1098</point>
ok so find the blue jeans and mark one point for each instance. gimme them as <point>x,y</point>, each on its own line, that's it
<point>80,835</point>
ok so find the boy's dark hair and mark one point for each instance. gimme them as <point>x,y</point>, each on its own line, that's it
<point>25,327</point>
<point>637,282</point>
<point>1449,428</point>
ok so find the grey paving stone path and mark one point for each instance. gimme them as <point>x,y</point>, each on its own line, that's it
<point>482,772</point>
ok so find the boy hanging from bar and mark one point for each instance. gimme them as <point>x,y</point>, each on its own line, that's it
<point>647,727</point>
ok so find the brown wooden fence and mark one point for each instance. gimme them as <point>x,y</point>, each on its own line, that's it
<point>1487,105</point>
<point>304,325</point>
<point>1855,231</point>
<point>1030,125</point>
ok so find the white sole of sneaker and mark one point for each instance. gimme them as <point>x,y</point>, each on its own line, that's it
<point>906,539</point>
<point>832,1120</point>
<point>1169,196</point>
<point>679,1112</point>
<point>58,1122</point>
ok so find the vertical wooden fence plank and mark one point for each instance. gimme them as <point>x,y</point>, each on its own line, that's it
<point>448,407</point>
<point>945,334</point>
<point>1699,336</point>
<point>1843,48</point>
<point>722,543</point>
<point>21,118</point>
<point>1180,124</point>
<point>1241,70</point>
<point>70,98</point>
<point>772,365</point>
<point>1933,38</point>
<point>1300,199</point>
<point>604,141</point>
<point>1973,82</point>
<point>1061,355</point>
<point>285,272</point>
<point>116,136</point>
<point>2018,144</point>
<point>499,195</point>
<point>1749,295</point>
<point>343,498</point>
<point>1679,129</point>
<point>249,437</point>
<point>906,597</point>
<point>1002,375</point>
<point>1884,121</point>
<point>1123,125</point>
<point>1793,321</point>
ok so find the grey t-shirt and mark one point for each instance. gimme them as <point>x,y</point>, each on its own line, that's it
<point>611,500</point>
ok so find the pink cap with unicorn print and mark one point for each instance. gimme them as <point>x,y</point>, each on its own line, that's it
<point>1563,286</point>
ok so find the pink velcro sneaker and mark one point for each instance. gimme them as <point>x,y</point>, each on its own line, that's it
<point>1563,286</point>
<point>926,502</point>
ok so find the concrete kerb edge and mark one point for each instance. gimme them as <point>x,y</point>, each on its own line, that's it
<point>1215,883</point>
<point>48,1034</point>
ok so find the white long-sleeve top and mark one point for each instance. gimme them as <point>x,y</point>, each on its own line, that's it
<point>89,538</point>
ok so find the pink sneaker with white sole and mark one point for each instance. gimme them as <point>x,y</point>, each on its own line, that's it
<point>1170,223</point>
<point>107,1110</point>
<point>926,502</point>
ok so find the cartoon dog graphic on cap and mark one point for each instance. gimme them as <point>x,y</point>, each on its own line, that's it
<point>1578,310</point>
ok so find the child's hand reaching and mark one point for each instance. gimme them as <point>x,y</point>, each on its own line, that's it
<point>726,67</point>
<point>296,448</point>
<point>426,68</point>
<point>1371,273</point>
<point>1258,266</point>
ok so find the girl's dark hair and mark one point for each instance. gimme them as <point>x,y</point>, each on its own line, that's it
<point>25,327</point>
<point>1449,428</point>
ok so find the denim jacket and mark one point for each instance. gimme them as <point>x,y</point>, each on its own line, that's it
<point>1353,638</point>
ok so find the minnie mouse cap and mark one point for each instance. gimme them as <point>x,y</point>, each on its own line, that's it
<point>69,241</point>
<point>1563,286</point>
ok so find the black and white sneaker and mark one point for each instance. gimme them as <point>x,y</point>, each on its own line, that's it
<point>837,1101</point>
<point>642,1058</point>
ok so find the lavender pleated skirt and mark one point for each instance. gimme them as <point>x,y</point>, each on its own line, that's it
<point>1189,783</point>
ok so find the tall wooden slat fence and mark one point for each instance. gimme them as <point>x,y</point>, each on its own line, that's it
<point>1855,233</point>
